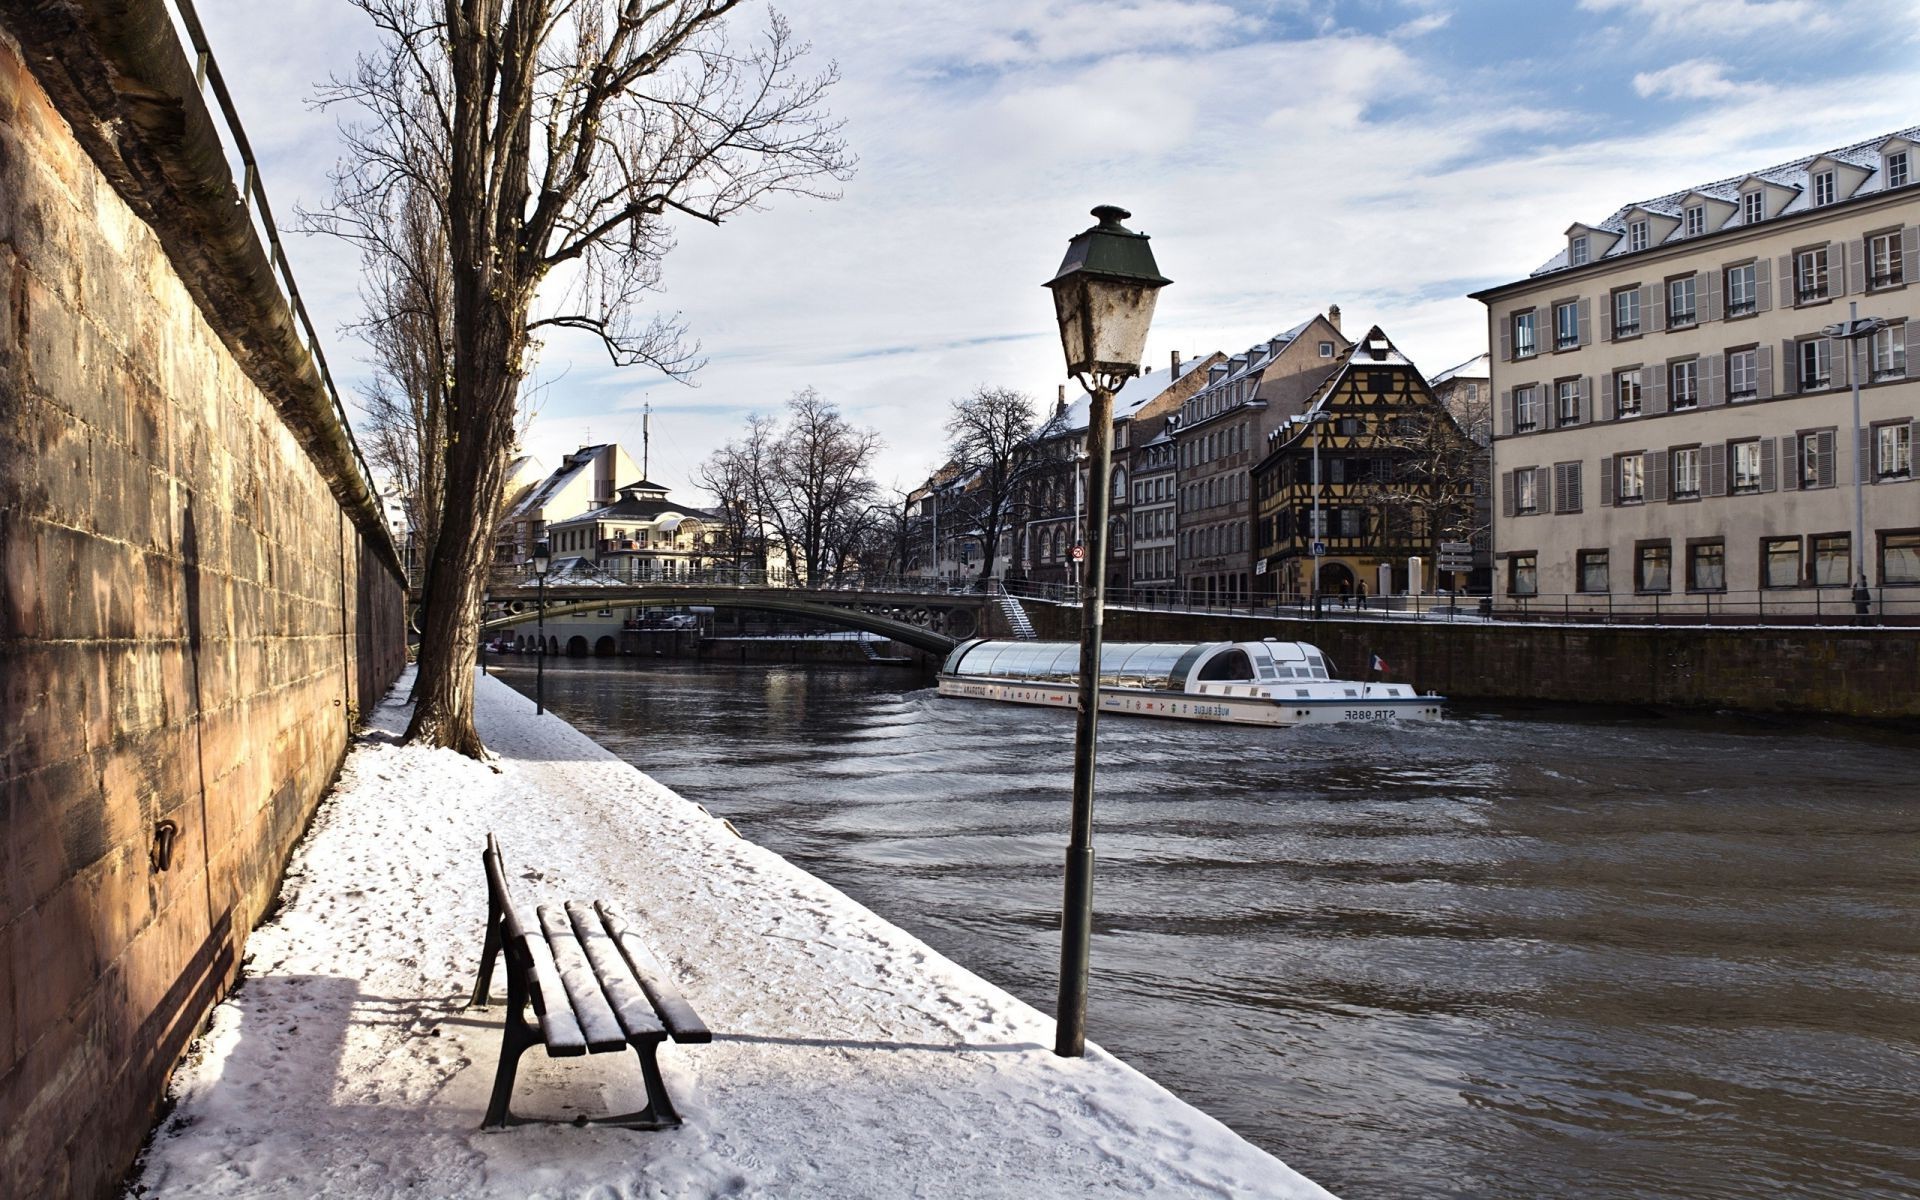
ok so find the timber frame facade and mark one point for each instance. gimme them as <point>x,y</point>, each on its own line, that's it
<point>1397,477</point>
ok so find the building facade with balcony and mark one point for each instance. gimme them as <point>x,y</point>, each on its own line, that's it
<point>1222,431</point>
<point>641,535</point>
<point>1397,477</point>
<point>1671,416</point>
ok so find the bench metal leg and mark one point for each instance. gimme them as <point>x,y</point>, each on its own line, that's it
<point>487,954</point>
<point>659,1113</point>
<point>518,1037</point>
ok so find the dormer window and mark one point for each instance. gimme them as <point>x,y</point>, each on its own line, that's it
<point>1897,170</point>
<point>1696,220</point>
<point>1577,251</point>
<point>1823,188</point>
<point>1636,235</point>
<point>1753,207</point>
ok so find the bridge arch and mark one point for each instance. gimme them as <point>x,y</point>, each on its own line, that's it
<point>903,629</point>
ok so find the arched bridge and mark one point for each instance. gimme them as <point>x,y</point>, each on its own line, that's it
<point>919,616</point>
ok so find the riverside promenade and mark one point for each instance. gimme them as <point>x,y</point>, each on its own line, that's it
<point>849,1060</point>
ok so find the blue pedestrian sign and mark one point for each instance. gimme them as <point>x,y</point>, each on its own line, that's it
<point>1319,548</point>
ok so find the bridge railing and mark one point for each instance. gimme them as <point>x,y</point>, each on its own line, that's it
<point>617,573</point>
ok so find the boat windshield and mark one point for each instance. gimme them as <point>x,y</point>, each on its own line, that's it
<point>1122,664</point>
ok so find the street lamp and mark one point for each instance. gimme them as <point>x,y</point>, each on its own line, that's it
<point>1858,328</point>
<point>1315,535</point>
<point>542,559</point>
<point>1103,296</point>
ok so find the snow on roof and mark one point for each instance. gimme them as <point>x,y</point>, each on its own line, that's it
<point>1790,175</point>
<point>1477,367</point>
<point>1135,395</point>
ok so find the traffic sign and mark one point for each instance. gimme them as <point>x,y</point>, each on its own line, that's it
<point>1319,549</point>
<point>1456,549</point>
<point>1079,553</point>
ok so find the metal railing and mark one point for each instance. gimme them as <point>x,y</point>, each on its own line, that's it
<point>253,195</point>
<point>617,573</point>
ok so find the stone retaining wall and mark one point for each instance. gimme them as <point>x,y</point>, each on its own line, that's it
<point>190,619</point>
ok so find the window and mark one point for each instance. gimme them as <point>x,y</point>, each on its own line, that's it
<point>1885,264</point>
<point>1811,459</point>
<point>1636,235</point>
<point>1626,312</point>
<point>1753,207</point>
<point>1653,567</point>
<point>1683,307</point>
<point>1743,296</point>
<point>1593,571</point>
<point>1577,252</point>
<point>1831,556</point>
<point>1707,566</point>
<point>1893,451</point>
<point>1524,344</point>
<point>1526,408</point>
<point>1897,175</point>
<point>1696,220</point>
<point>1526,490</point>
<point>1566,402</point>
<point>1900,557</point>
<point>1816,365</point>
<point>1566,325</point>
<point>1326,349</point>
<point>1523,576</point>
<point>1889,353</point>
<point>1685,467</point>
<point>1743,374</point>
<point>1683,385</point>
<point>1746,466</point>
<point>1780,562</point>
<point>1810,275</point>
<point>1823,188</point>
<point>1626,393</point>
<point>1631,486</point>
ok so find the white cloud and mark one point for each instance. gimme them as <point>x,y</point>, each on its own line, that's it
<point>1432,22</point>
<point>1724,16</point>
<point>1695,79</point>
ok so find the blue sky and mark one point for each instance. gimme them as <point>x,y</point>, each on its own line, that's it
<point>1387,156</point>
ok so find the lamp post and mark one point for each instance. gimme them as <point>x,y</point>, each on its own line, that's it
<point>486,602</point>
<point>1315,534</point>
<point>1858,328</point>
<point>1103,297</point>
<point>542,559</point>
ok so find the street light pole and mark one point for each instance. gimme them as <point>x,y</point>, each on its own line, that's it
<point>1857,329</point>
<point>1103,297</point>
<point>1314,535</point>
<point>542,559</point>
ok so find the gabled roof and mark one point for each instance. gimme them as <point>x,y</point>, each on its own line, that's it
<point>1477,367</point>
<point>1792,176</point>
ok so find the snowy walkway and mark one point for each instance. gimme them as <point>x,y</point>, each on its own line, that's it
<point>850,1060</point>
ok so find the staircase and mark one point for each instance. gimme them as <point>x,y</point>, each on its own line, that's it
<point>866,647</point>
<point>1016,617</point>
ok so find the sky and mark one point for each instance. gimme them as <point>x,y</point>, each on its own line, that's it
<point>1388,156</point>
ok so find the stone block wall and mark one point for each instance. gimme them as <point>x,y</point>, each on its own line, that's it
<point>1843,672</point>
<point>189,623</point>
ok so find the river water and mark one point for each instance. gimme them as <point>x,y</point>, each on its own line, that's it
<point>1515,954</point>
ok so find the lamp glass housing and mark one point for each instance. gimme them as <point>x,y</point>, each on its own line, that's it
<point>542,558</point>
<point>1103,297</point>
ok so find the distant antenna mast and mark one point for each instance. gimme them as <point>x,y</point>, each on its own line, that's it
<point>646,437</point>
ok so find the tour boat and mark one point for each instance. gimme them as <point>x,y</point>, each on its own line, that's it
<point>1249,683</point>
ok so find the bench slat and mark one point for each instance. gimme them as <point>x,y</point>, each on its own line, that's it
<point>558,1027</point>
<point>582,989</point>
<point>682,1022</point>
<point>630,1005</point>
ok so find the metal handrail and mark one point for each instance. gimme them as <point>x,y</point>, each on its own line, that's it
<point>253,194</point>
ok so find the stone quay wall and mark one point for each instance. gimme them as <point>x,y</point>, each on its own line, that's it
<point>191,617</point>
<point>1841,672</point>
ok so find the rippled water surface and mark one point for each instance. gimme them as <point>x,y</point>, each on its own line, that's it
<point>1540,954</point>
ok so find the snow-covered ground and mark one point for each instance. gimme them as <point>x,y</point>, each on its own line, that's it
<point>850,1060</point>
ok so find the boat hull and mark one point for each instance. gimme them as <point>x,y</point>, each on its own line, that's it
<point>1232,710</point>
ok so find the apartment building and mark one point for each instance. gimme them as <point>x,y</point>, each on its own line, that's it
<point>1671,415</point>
<point>1222,431</point>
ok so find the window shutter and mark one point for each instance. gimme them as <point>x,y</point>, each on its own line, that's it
<point>1762,285</point>
<point>1653,389</point>
<point>1656,475</point>
<point>1570,497</point>
<point>1789,464</point>
<point>1586,322</point>
<point>1863,455</point>
<point>1788,296</point>
<point>1712,382</point>
<point>1857,264</point>
<point>1824,452</point>
<point>1503,413</point>
<point>1789,367</point>
<point>1543,484</point>
<point>1910,254</point>
<point>1708,282</point>
<point>1506,340</point>
<point>1506,493</point>
<point>1716,456</point>
<point>1767,464</point>
<point>1763,372</point>
<point>1653,308</point>
<point>1606,317</point>
<point>1839,361</point>
<point>1607,469</point>
<point>1603,409</point>
<point>1836,269</point>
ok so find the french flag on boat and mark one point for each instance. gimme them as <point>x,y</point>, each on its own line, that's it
<point>1380,665</point>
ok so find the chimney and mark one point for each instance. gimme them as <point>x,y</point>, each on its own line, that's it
<point>1333,316</point>
<point>1060,402</point>
<point>1176,364</point>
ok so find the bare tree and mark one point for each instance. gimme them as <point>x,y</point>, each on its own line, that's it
<point>557,138</point>
<point>1436,486</point>
<point>817,485</point>
<point>993,433</point>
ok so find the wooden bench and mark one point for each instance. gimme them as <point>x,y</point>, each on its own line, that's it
<point>594,986</point>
